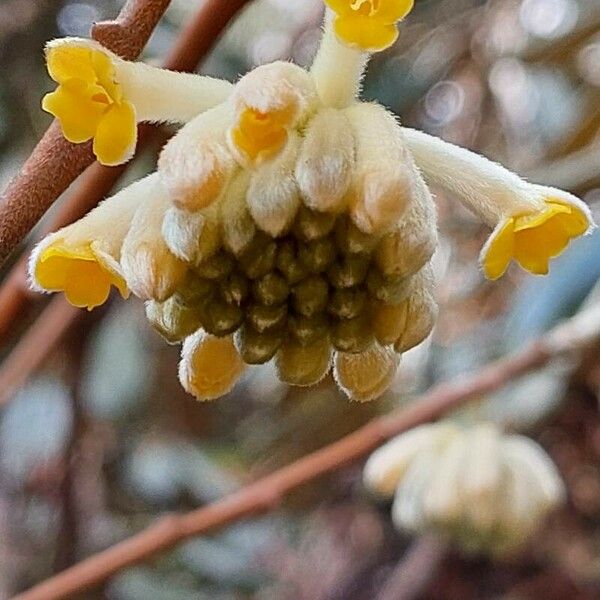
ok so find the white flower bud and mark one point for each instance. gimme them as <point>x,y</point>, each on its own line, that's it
<point>388,465</point>
<point>192,237</point>
<point>326,162</point>
<point>383,184</point>
<point>485,490</point>
<point>421,311</point>
<point>151,270</point>
<point>237,225</point>
<point>196,163</point>
<point>273,196</point>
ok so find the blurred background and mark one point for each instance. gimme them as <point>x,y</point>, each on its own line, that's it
<point>103,440</point>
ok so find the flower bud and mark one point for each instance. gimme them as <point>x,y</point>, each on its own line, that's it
<point>210,366</point>
<point>365,376</point>
<point>303,365</point>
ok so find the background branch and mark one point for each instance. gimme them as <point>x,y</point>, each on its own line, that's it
<point>190,48</point>
<point>55,163</point>
<point>268,492</point>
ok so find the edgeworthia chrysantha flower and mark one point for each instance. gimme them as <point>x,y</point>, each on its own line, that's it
<point>287,220</point>
<point>486,490</point>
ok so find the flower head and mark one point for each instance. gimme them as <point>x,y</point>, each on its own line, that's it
<point>89,102</point>
<point>287,221</point>
<point>369,25</point>
<point>487,491</point>
<point>533,239</point>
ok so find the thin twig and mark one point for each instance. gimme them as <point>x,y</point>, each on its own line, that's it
<point>55,163</point>
<point>268,492</point>
<point>32,349</point>
<point>192,45</point>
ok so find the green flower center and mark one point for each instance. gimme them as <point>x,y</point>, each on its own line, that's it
<point>319,281</point>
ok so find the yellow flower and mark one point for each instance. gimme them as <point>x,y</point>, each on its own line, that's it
<point>369,24</point>
<point>89,102</point>
<point>260,135</point>
<point>83,259</point>
<point>533,239</point>
<point>85,274</point>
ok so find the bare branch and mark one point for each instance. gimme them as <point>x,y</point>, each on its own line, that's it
<point>191,46</point>
<point>268,492</point>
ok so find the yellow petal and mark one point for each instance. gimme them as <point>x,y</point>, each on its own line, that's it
<point>79,116</point>
<point>576,223</point>
<point>393,11</point>
<point>535,220</point>
<point>116,135</point>
<point>340,7</point>
<point>367,33</point>
<point>105,74</point>
<point>84,279</point>
<point>500,250</point>
<point>66,62</point>
<point>259,133</point>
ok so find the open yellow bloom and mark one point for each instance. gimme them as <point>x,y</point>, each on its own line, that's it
<point>85,274</point>
<point>369,24</point>
<point>89,102</point>
<point>533,239</point>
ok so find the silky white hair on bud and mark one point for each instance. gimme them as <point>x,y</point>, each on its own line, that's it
<point>384,180</point>
<point>326,161</point>
<point>365,375</point>
<point>210,366</point>
<point>151,270</point>
<point>237,226</point>
<point>273,197</point>
<point>196,163</point>
<point>278,86</point>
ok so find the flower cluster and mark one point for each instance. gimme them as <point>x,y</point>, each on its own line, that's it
<point>487,491</point>
<point>286,220</point>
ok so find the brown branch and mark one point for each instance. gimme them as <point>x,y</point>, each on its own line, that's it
<point>192,45</point>
<point>129,32</point>
<point>32,349</point>
<point>267,493</point>
<point>55,163</point>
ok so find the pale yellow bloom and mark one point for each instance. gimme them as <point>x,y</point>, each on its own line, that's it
<point>369,24</point>
<point>484,490</point>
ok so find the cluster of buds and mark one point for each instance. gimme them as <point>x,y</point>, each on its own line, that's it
<point>485,490</point>
<point>286,220</point>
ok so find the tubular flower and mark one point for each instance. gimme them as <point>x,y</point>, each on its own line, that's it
<point>532,239</point>
<point>532,223</point>
<point>369,24</point>
<point>487,491</point>
<point>83,259</point>
<point>100,96</point>
<point>287,221</point>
